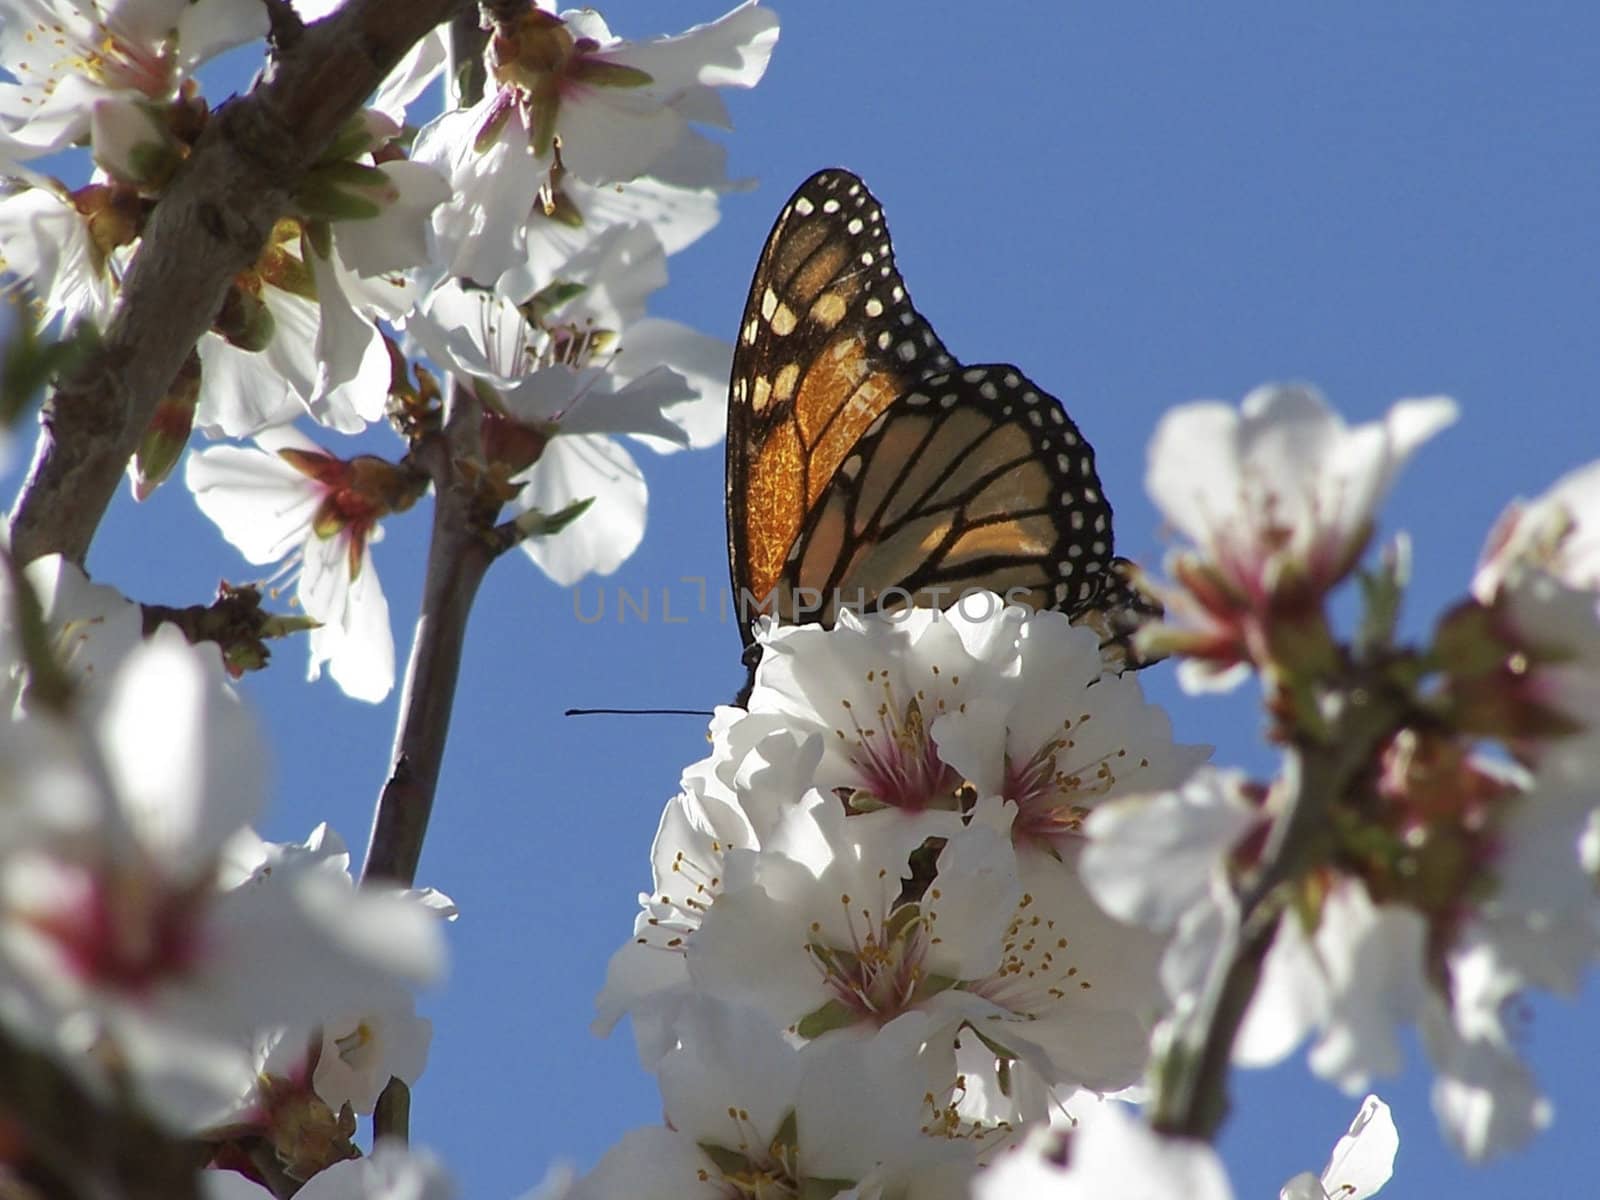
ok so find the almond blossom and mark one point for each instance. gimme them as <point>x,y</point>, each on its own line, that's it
<point>66,54</point>
<point>748,1113</point>
<point>119,933</point>
<point>909,891</point>
<point>70,245</point>
<point>617,110</point>
<point>1524,654</point>
<point>1361,1163</point>
<point>559,370</point>
<point>288,499</point>
<point>1279,500</point>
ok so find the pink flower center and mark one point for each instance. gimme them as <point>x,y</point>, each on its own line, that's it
<point>879,974</point>
<point>899,764</point>
<point>1050,795</point>
<point>118,940</point>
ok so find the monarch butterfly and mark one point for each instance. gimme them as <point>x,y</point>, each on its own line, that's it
<point>867,466</point>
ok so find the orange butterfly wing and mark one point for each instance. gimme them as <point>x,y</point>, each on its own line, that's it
<point>973,479</point>
<point>828,341</point>
<point>867,467</point>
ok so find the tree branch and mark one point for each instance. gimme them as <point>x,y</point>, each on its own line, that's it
<point>78,1146</point>
<point>460,550</point>
<point>209,226</point>
<point>1192,1077</point>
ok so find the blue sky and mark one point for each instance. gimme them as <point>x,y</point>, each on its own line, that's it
<point>1137,208</point>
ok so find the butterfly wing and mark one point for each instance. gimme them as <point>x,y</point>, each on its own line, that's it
<point>973,479</point>
<point>829,340</point>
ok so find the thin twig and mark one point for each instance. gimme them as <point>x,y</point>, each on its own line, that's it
<point>459,554</point>
<point>209,226</point>
<point>458,558</point>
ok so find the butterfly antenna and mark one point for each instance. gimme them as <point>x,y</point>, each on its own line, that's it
<point>638,712</point>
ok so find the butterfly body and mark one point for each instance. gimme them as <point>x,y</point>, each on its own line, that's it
<point>868,467</point>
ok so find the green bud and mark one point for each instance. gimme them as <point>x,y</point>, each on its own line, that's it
<point>245,320</point>
<point>534,523</point>
<point>344,191</point>
<point>167,435</point>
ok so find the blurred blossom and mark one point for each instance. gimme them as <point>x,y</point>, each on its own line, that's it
<point>118,936</point>
<point>1278,499</point>
<point>747,1112</point>
<point>393,1171</point>
<point>1559,532</point>
<point>1522,659</point>
<point>92,628</point>
<point>1446,892</point>
<point>1110,1156</point>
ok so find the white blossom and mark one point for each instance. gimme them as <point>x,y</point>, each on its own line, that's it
<point>289,499</point>
<point>1278,499</point>
<point>1361,1163</point>
<point>119,929</point>
<point>65,54</point>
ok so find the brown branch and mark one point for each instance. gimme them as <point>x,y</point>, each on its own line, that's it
<point>457,563</point>
<point>458,558</point>
<point>1192,1076</point>
<point>70,1143</point>
<point>210,225</point>
<point>460,549</point>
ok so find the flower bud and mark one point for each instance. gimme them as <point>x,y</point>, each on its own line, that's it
<point>132,143</point>
<point>345,191</point>
<point>245,320</point>
<point>167,434</point>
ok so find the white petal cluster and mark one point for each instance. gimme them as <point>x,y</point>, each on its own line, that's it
<point>1278,499</point>
<point>270,510</point>
<point>145,930</point>
<point>1106,1154</point>
<point>876,873</point>
<point>64,56</point>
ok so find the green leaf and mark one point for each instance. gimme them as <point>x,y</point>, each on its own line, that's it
<point>534,523</point>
